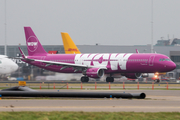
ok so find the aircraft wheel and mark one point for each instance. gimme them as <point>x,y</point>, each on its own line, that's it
<point>157,80</point>
<point>84,79</point>
<point>109,79</point>
<point>112,79</point>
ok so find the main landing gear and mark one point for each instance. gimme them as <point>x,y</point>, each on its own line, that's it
<point>84,79</point>
<point>109,79</point>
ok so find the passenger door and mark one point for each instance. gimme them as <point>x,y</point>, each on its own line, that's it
<point>151,60</point>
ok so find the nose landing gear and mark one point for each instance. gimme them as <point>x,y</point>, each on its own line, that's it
<point>157,80</point>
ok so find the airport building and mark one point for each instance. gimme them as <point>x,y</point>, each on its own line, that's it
<point>170,48</point>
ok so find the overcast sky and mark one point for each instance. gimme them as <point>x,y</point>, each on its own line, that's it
<point>106,22</point>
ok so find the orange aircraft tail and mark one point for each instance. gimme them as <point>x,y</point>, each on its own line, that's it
<point>69,46</point>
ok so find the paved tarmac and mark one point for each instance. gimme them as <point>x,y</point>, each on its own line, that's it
<point>156,101</point>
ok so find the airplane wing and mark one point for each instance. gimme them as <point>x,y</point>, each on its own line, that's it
<point>65,65</point>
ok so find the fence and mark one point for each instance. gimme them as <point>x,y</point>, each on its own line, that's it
<point>95,86</point>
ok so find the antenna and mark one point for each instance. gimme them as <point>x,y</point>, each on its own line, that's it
<point>5,46</point>
<point>152,26</point>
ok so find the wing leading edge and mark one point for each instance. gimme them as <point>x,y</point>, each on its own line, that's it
<point>65,65</point>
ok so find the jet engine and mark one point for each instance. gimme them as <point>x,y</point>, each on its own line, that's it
<point>148,75</point>
<point>94,72</point>
<point>133,75</point>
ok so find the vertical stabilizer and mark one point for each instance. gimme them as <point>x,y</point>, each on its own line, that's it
<point>33,45</point>
<point>69,46</point>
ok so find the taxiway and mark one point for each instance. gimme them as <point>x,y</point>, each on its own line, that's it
<point>156,101</point>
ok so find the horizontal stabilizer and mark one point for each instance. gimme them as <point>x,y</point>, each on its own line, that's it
<point>22,53</point>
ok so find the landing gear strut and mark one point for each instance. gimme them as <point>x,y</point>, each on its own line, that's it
<point>84,79</point>
<point>109,79</point>
<point>157,80</point>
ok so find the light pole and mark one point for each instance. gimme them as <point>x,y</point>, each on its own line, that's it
<point>152,49</point>
<point>5,46</point>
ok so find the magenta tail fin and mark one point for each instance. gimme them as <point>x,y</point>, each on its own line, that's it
<point>33,45</point>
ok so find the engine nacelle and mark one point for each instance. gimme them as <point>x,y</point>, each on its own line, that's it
<point>133,75</point>
<point>148,75</point>
<point>95,72</point>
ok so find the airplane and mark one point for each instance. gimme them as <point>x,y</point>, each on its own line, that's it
<point>69,46</point>
<point>95,65</point>
<point>7,66</point>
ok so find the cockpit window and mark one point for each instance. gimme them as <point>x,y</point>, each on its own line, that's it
<point>163,59</point>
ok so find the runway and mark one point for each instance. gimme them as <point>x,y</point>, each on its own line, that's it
<point>90,105</point>
<point>156,101</point>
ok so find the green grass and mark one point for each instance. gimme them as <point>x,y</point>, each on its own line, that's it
<point>89,116</point>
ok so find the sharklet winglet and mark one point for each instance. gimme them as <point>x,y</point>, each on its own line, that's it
<point>137,51</point>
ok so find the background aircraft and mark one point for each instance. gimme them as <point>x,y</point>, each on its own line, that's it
<point>69,46</point>
<point>7,65</point>
<point>131,65</point>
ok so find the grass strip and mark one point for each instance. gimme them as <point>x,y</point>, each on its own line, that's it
<point>89,116</point>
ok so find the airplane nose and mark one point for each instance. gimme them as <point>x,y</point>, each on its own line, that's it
<point>15,67</point>
<point>171,66</point>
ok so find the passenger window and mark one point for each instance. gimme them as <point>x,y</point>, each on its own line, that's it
<point>0,62</point>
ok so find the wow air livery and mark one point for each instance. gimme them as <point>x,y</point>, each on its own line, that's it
<point>71,48</point>
<point>132,65</point>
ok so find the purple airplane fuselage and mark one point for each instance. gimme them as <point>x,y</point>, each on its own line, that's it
<point>134,63</point>
<point>94,65</point>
